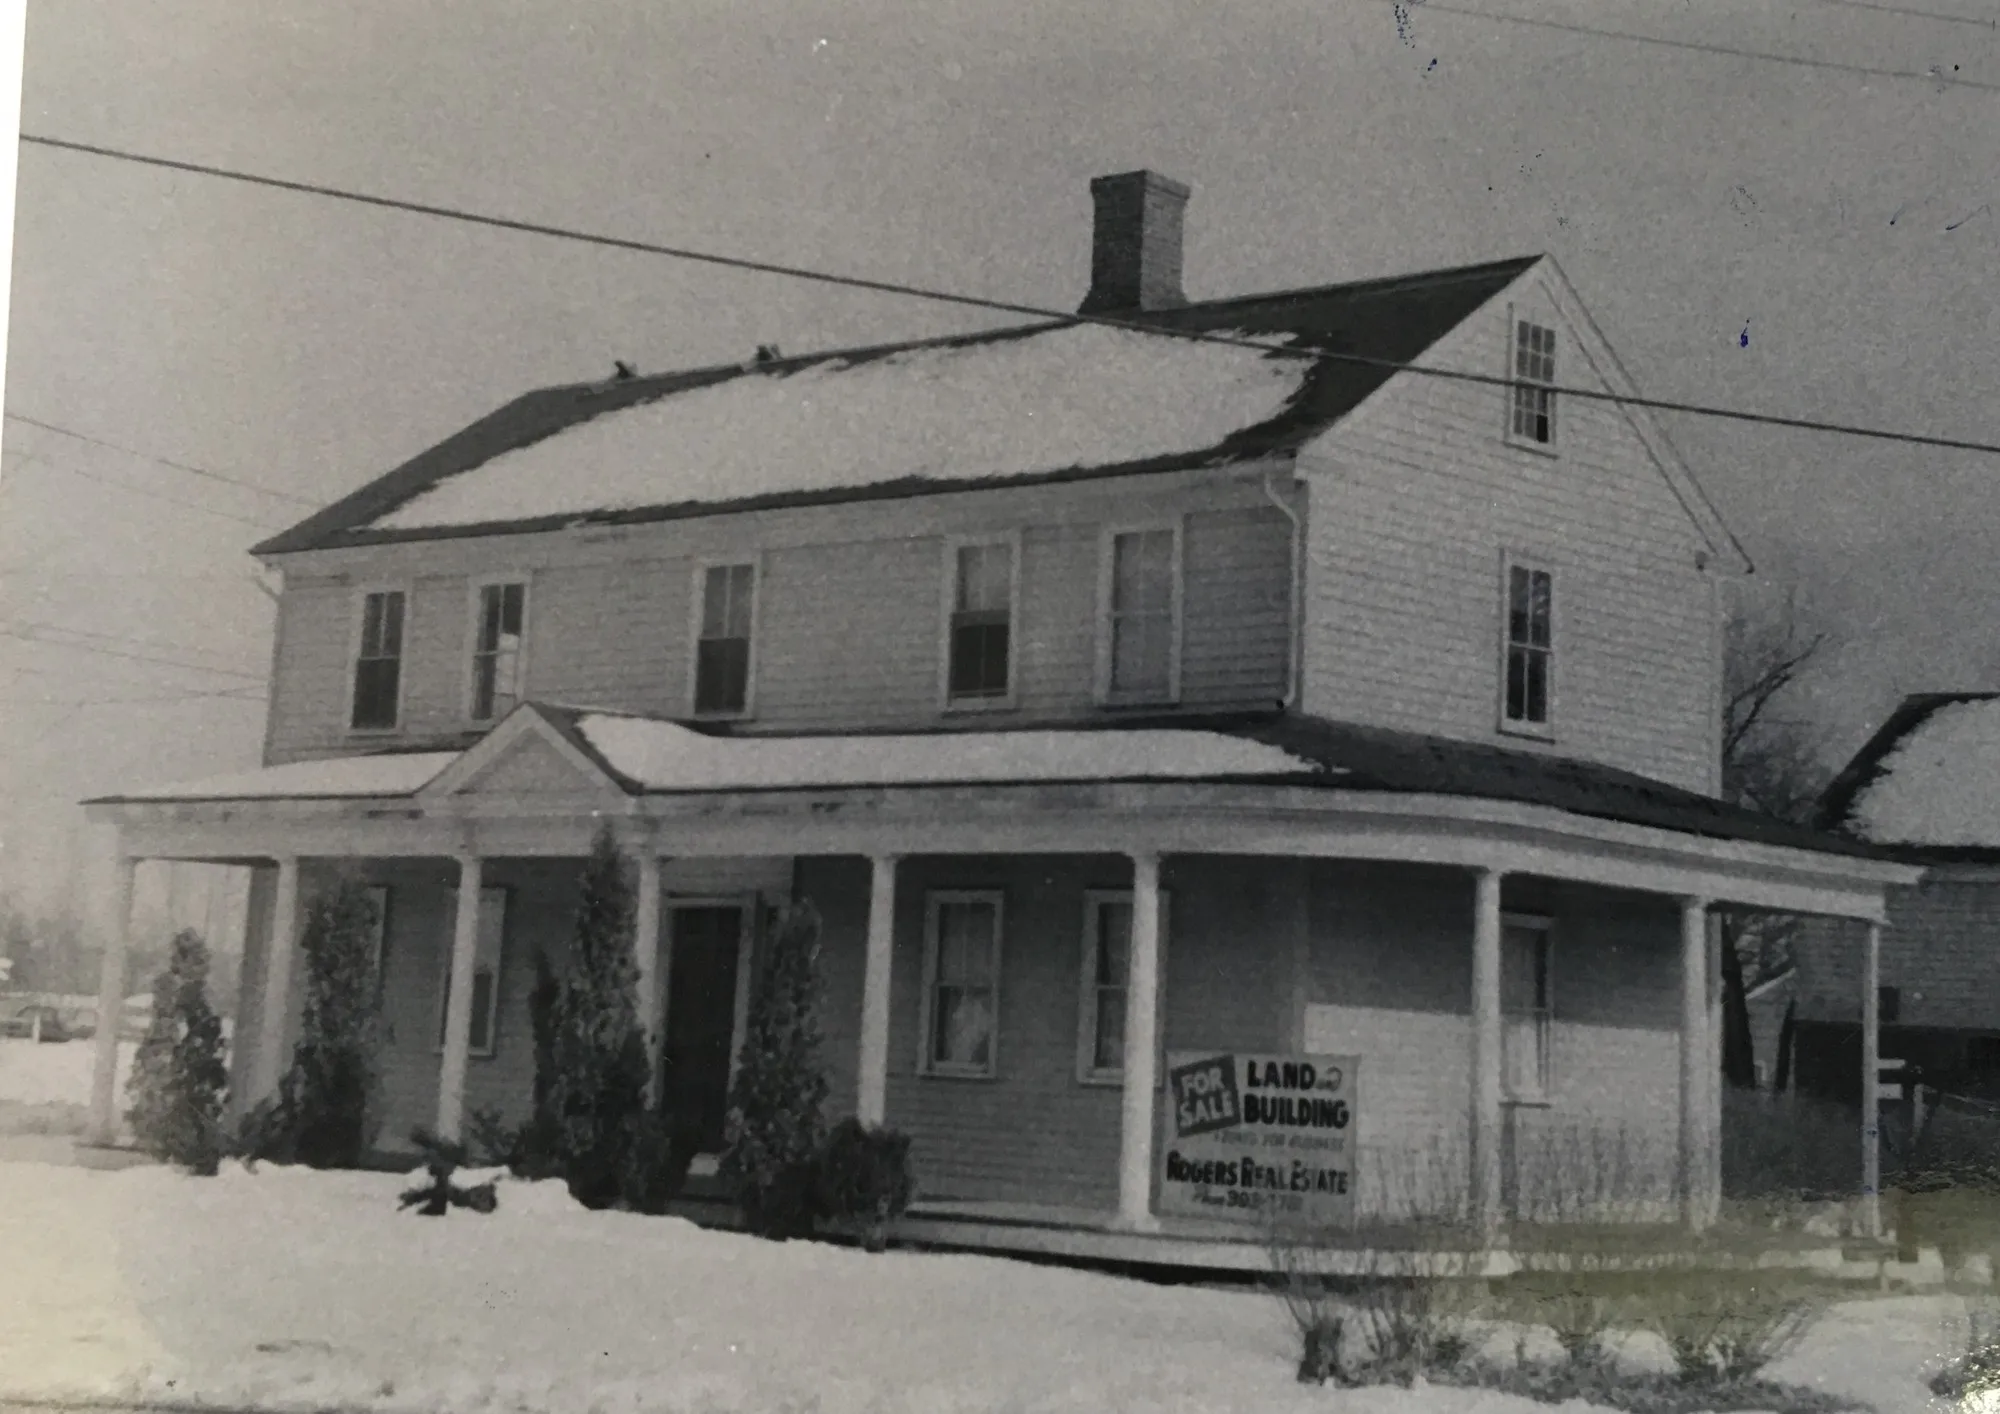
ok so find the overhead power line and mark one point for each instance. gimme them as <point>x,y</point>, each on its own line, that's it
<point>1695,46</point>
<point>823,277</point>
<point>1907,13</point>
<point>43,640</point>
<point>123,639</point>
<point>162,461</point>
<point>112,481</point>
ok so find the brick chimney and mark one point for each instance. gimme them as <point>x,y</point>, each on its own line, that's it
<point>1135,258</point>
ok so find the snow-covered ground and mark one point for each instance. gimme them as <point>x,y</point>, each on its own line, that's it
<point>293,1290</point>
<point>54,1073</point>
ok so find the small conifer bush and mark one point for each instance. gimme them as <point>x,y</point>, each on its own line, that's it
<point>775,1128</point>
<point>334,1065</point>
<point>179,1074</point>
<point>865,1180</point>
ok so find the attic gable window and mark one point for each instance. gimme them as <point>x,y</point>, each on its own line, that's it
<point>1534,383</point>
<point>1529,654</point>
<point>499,632</point>
<point>378,663</point>
<point>979,642</point>
<point>723,640</point>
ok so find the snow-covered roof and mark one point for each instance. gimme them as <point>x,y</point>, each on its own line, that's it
<point>1041,402</point>
<point>1929,779</point>
<point>665,756</point>
<point>341,777</point>
<point>1066,396</point>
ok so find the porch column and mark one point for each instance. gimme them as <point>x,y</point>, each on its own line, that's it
<point>274,1018</point>
<point>458,999</point>
<point>1696,1060</point>
<point>1486,1188</point>
<point>111,1008</point>
<point>646,954</point>
<point>1871,1081</point>
<point>871,1101</point>
<point>1142,993</point>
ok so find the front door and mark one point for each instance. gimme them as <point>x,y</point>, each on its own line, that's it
<point>706,941</point>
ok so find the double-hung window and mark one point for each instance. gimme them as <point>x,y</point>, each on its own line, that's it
<point>1139,647</point>
<point>1534,408</point>
<point>723,640</point>
<point>961,982</point>
<point>499,632</point>
<point>378,663</point>
<point>1526,1006</point>
<point>488,956</point>
<point>1107,974</point>
<point>1528,656</point>
<point>979,635</point>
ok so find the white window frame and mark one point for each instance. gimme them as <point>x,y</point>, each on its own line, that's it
<point>1510,726</point>
<point>493,900</point>
<point>476,620</point>
<point>1086,1009</point>
<point>1518,316</point>
<point>357,629</point>
<point>697,602</point>
<point>1107,692</point>
<point>948,601</point>
<point>934,899</point>
<point>1543,1016</point>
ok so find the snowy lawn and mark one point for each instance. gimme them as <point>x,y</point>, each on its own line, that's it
<point>296,1290</point>
<point>45,1086</point>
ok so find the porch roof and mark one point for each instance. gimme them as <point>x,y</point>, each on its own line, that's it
<point>653,756</point>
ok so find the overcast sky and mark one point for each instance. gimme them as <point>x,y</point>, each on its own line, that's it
<point>1839,211</point>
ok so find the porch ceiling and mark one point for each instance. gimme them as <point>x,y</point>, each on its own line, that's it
<point>540,783</point>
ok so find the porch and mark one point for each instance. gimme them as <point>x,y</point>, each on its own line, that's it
<point>1261,907</point>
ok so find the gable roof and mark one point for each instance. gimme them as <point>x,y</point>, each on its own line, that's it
<point>1059,400</point>
<point>643,755</point>
<point>1926,786</point>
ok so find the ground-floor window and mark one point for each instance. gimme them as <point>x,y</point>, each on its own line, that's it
<point>961,982</point>
<point>1526,1008</point>
<point>1107,967</point>
<point>486,963</point>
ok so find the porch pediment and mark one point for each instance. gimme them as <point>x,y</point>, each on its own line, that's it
<point>527,759</point>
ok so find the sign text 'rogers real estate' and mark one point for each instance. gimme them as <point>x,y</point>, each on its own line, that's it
<point>1257,1136</point>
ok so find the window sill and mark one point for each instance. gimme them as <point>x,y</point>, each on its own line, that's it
<point>1528,1102</point>
<point>375,733</point>
<point>972,705</point>
<point>938,1073</point>
<point>746,715</point>
<point>1531,731</point>
<point>1139,704</point>
<point>469,1055</point>
<point>1540,449</point>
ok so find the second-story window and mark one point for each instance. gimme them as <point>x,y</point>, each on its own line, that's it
<point>982,613</point>
<point>496,649</point>
<point>378,663</point>
<point>722,644</point>
<point>1530,650</point>
<point>1534,383</point>
<point>1141,632</point>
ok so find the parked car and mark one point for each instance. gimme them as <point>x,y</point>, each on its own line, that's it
<point>43,1023</point>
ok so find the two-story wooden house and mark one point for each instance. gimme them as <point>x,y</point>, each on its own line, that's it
<point>1219,676</point>
<point>1926,790</point>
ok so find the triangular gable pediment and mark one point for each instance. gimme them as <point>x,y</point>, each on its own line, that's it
<point>526,757</point>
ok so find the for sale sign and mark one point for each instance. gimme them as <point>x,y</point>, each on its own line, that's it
<point>1259,1136</point>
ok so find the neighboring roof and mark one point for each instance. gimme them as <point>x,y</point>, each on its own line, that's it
<point>1052,401</point>
<point>1927,785</point>
<point>653,754</point>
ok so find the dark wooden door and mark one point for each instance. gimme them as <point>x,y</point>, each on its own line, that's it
<point>701,1021</point>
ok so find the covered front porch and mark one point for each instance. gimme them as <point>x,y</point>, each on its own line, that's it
<point>1230,891</point>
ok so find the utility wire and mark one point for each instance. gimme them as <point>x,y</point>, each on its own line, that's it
<point>163,461</point>
<point>1008,306</point>
<point>123,639</point>
<point>36,638</point>
<point>1901,12</point>
<point>1693,46</point>
<point>65,468</point>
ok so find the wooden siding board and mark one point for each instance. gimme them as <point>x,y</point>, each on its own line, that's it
<point>1940,949</point>
<point>1412,501</point>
